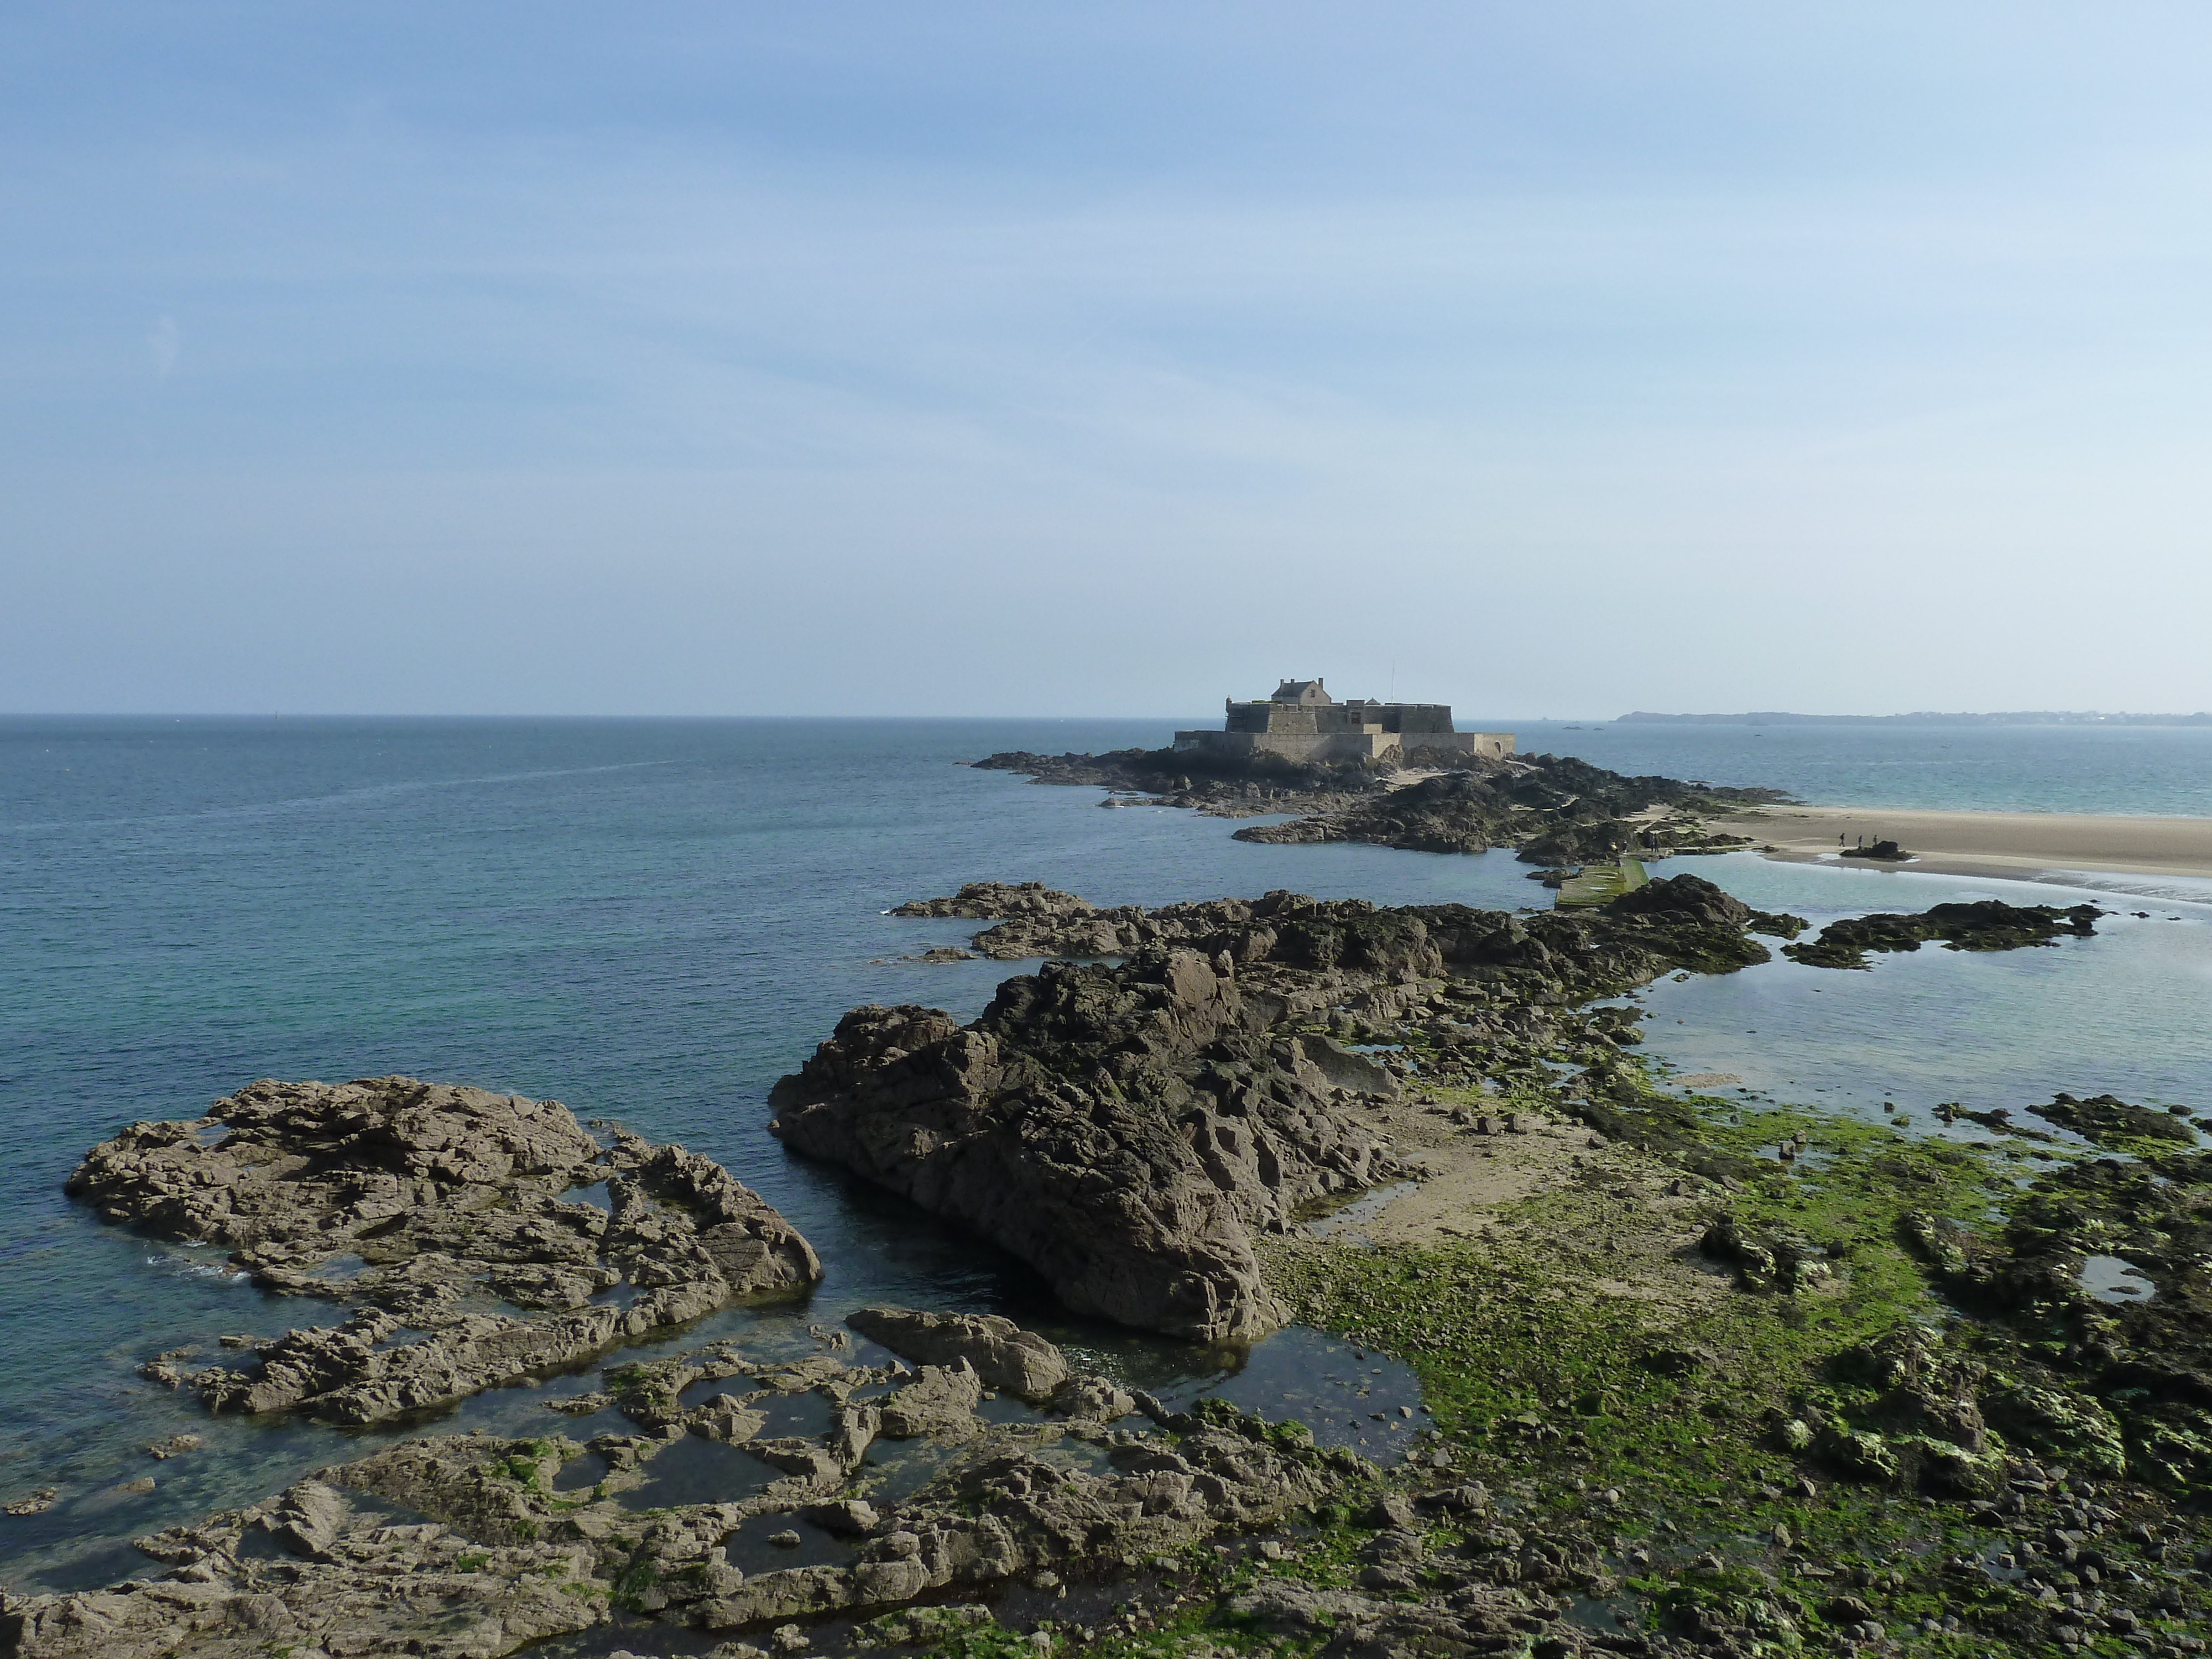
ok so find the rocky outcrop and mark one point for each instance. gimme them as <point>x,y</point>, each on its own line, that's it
<point>1983,925</point>
<point>1555,809</point>
<point>1688,921</point>
<point>2116,1383</point>
<point>1002,1353</point>
<point>2111,1122</point>
<point>995,901</point>
<point>1120,1128</point>
<point>1127,1129</point>
<point>1887,852</point>
<point>475,1546</point>
<point>1010,1513</point>
<point>315,1571</point>
<point>435,1213</point>
<point>1219,786</point>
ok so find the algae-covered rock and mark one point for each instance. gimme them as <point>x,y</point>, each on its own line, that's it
<point>1764,1259</point>
<point>915,1626</point>
<point>1934,1239</point>
<point>1858,1452</point>
<point>2111,1122</point>
<point>2057,1422</point>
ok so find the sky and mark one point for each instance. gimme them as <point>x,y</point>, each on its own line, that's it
<point>967,359</point>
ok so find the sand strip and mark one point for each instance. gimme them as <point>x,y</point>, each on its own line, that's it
<point>2019,846</point>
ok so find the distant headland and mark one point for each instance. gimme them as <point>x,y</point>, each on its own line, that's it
<point>2038,717</point>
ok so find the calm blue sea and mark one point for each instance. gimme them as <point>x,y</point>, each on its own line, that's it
<point>652,920</point>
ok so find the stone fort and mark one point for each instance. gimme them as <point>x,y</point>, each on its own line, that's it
<point>1302,722</point>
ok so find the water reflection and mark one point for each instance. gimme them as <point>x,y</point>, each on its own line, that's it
<point>2110,1279</point>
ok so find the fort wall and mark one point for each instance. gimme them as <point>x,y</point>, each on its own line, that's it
<point>1303,722</point>
<point>1372,743</point>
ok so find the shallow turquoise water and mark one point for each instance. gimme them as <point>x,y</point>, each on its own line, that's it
<point>652,920</point>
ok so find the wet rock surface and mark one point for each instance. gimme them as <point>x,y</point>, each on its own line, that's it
<point>476,1545</point>
<point>432,1213</point>
<point>1982,925</point>
<point>2123,1384</point>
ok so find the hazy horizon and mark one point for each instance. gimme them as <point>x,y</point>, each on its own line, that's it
<point>1465,720</point>
<point>983,361</point>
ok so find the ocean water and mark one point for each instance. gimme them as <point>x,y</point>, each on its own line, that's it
<point>2152,770</point>
<point>652,920</point>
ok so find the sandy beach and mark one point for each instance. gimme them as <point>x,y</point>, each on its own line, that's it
<point>2019,845</point>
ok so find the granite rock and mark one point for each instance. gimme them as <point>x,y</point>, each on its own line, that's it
<point>1002,1353</point>
<point>430,1212</point>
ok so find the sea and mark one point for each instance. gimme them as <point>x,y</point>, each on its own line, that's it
<point>652,920</point>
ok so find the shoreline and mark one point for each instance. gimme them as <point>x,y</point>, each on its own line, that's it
<point>2010,845</point>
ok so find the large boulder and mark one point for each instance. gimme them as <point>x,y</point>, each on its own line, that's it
<point>1123,1129</point>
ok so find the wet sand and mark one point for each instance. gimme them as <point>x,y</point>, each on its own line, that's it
<point>2015,845</point>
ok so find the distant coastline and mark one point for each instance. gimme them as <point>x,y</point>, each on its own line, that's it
<point>2042,717</point>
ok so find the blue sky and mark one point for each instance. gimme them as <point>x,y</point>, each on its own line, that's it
<point>1542,358</point>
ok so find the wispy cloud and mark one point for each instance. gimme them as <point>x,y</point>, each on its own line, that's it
<point>879,352</point>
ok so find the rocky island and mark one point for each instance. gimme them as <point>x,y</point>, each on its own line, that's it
<point>1399,775</point>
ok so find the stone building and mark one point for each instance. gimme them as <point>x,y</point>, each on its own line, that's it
<point>1302,722</point>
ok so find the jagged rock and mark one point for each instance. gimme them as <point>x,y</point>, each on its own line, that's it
<point>306,1519</point>
<point>485,1557</point>
<point>1128,1129</point>
<point>941,1401</point>
<point>1915,1419</point>
<point>437,1192</point>
<point>1071,1125</point>
<point>1015,1515</point>
<point>2059,1423</point>
<point>1001,1353</point>
<point>849,1518</point>
<point>333,1578</point>
<point>1094,1399</point>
